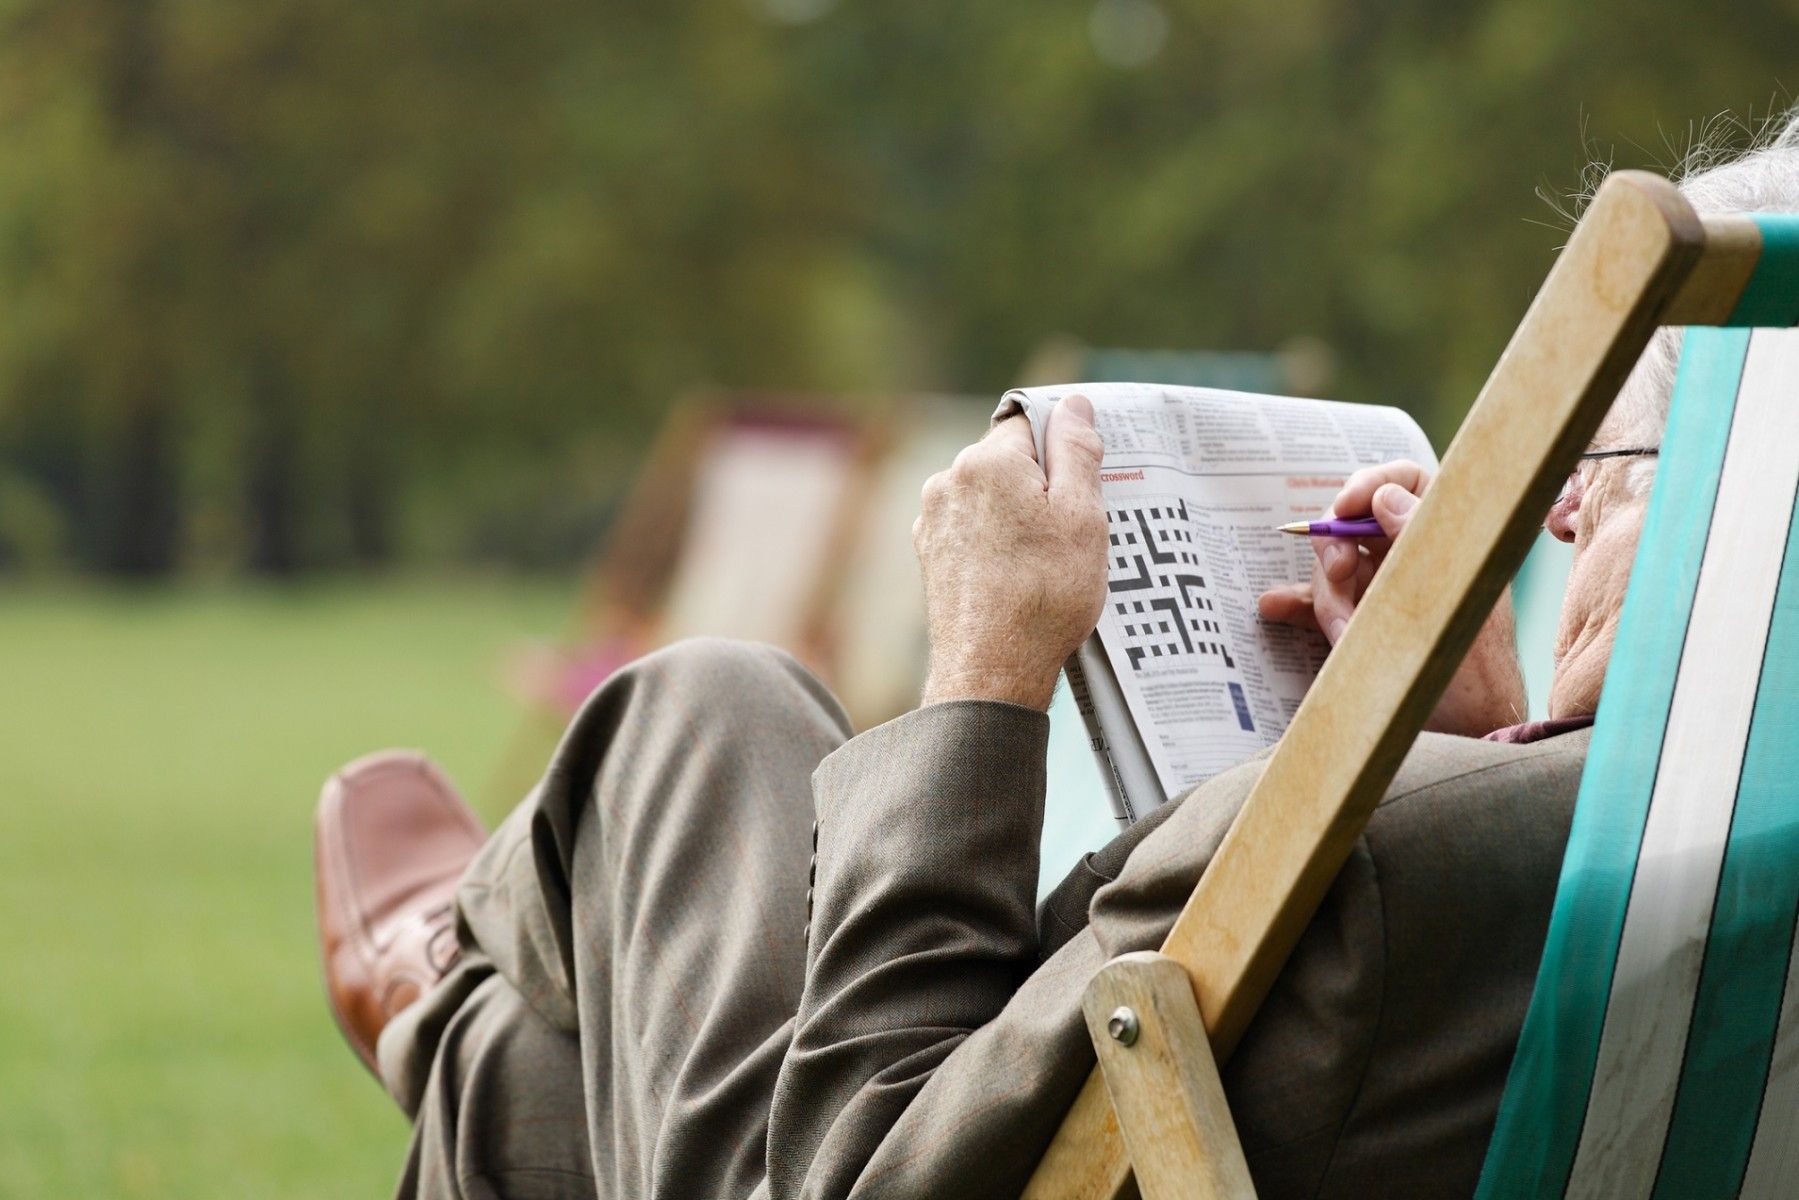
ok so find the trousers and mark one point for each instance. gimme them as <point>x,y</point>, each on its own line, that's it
<point>633,947</point>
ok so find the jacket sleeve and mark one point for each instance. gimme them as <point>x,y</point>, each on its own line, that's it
<point>922,929</point>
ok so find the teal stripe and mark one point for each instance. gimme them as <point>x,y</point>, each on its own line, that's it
<point>1771,299</point>
<point>1738,1008</point>
<point>1540,1116</point>
<point>1736,1012</point>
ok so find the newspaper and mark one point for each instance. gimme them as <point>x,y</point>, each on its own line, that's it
<point>1182,678</point>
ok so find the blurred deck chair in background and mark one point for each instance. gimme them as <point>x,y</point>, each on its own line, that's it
<point>775,485</point>
<point>785,520</point>
<point>729,529</point>
<point>622,591</point>
<point>1660,1053</point>
<point>866,620</point>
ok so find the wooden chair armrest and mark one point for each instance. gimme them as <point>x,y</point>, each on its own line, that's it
<point>1163,1081</point>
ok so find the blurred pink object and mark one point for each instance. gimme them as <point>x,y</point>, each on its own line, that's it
<point>560,682</point>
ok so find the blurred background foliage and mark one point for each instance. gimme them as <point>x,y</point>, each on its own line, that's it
<point>313,284</point>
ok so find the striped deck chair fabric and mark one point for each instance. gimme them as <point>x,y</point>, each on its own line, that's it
<point>1660,1054</point>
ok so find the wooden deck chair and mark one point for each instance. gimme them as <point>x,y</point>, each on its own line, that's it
<point>867,617</point>
<point>729,529</point>
<point>778,481</point>
<point>1660,1055</point>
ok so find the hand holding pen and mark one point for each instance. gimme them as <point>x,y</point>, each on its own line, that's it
<point>1354,527</point>
<point>1350,541</point>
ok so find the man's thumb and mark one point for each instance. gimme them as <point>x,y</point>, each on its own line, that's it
<point>1071,446</point>
<point>1393,507</point>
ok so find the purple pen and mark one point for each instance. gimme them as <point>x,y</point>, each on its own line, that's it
<point>1337,527</point>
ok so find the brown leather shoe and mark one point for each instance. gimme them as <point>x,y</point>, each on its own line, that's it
<point>392,840</point>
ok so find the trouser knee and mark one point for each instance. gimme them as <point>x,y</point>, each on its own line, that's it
<point>731,686</point>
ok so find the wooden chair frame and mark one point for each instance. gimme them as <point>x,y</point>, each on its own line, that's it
<point>1153,1112</point>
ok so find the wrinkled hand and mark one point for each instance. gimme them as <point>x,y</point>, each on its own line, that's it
<point>1014,559</point>
<point>1487,692</point>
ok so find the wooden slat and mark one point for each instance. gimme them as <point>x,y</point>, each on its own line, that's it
<point>1164,1084</point>
<point>1541,405</point>
<point>1087,1159</point>
<point>1733,245</point>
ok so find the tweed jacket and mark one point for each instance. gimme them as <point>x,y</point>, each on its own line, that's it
<point>939,1039</point>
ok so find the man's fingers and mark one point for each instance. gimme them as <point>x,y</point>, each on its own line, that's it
<point>1388,493</point>
<point>1393,505</point>
<point>1014,433</point>
<point>1334,601</point>
<point>1073,447</point>
<point>1357,497</point>
<point>1337,557</point>
<point>1289,604</point>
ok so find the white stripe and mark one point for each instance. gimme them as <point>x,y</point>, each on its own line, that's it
<point>1669,917</point>
<point>1773,1172</point>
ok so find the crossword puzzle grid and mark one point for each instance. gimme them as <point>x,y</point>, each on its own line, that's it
<point>1157,590</point>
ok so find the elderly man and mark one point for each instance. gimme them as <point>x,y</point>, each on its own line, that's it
<point>725,949</point>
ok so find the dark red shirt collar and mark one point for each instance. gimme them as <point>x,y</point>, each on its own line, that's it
<point>1536,731</point>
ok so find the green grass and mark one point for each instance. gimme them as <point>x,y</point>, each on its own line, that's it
<point>163,1030</point>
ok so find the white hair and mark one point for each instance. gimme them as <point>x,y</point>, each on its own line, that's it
<point>1715,180</point>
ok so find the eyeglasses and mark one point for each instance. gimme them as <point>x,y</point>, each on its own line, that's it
<point>1596,455</point>
<point>1643,452</point>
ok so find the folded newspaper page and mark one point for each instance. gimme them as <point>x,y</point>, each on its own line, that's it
<point>1182,678</point>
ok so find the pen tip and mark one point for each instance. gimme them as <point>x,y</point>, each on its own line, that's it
<point>1296,527</point>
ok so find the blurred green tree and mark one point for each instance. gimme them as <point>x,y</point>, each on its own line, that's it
<point>307,283</point>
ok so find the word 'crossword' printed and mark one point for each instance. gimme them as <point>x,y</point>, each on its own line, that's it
<point>1157,590</point>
